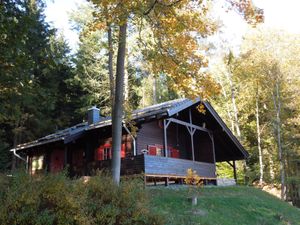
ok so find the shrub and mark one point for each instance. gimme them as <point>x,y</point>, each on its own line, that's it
<point>40,200</point>
<point>56,199</point>
<point>105,203</point>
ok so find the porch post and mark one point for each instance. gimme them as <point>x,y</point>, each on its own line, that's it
<point>234,171</point>
<point>192,131</point>
<point>192,143</point>
<point>211,135</point>
<point>165,138</point>
<point>213,146</point>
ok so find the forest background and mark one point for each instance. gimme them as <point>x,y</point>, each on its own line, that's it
<point>44,87</point>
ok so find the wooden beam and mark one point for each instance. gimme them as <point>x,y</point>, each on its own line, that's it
<point>234,172</point>
<point>190,116</point>
<point>213,146</point>
<point>230,163</point>
<point>167,181</point>
<point>167,123</point>
<point>150,117</point>
<point>234,169</point>
<point>165,138</point>
<point>191,128</point>
<point>192,143</point>
<point>176,176</point>
<point>189,124</point>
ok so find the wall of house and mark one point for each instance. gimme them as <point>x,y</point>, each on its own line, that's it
<point>47,157</point>
<point>152,134</point>
<point>203,147</point>
<point>149,134</point>
<point>84,151</point>
<point>57,157</point>
<point>178,137</point>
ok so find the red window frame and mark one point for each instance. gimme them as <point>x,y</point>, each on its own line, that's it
<point>104,152</point>
<point>158,150</point>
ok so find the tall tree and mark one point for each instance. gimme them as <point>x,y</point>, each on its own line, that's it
<point>266,98</point>
<point>176,27</point>
<point>166,19</point>
<point>33,66</point>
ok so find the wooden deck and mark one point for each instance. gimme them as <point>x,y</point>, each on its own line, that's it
<point>172,167</point>
<point>157,166</point>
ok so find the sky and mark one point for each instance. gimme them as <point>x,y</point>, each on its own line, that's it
<point>279,14</point>
<point>57,13</point>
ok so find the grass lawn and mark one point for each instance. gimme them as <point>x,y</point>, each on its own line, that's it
<point>236,205</point>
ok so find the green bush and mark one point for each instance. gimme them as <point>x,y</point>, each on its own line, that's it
<point>56,199</point>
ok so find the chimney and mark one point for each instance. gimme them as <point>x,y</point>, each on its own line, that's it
<point>93,115</point>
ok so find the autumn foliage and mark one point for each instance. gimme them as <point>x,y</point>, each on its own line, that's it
<point>192,178</point>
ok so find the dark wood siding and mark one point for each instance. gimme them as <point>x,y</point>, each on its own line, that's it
<point>179,138</point>
<point>170,166</point>
<point>149,134</point>
<point>203,147</point>
<point>153,134</point>
<point>129,166</point>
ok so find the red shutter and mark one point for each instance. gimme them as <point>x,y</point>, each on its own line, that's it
<point>100,153</point>
<point>152,150</point>
<point>123,151</point>
<point>174,153</point>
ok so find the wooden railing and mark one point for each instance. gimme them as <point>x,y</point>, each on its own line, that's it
<point>157,165</point>
<point>129,165</point>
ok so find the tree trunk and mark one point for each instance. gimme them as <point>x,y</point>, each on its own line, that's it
<point>260,154</point>
<point>227,105</point>
<point>16,141</point>
<point>235,111</point>
<point>277,106</point>
<point>118,105</point>
<point>236,120</point>
<point>110,65</point>
<point>154,90</point>
<point>271,166</point>
<point>126,79</point>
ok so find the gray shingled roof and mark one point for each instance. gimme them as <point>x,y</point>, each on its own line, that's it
<point>161,108</point>
<point>69,134</point>
<point>65,135</point>
<point>167,109</point>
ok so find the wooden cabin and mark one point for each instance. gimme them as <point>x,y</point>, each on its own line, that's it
<point>172,137</point>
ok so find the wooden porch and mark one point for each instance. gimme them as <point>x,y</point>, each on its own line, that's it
<point>158,167</point>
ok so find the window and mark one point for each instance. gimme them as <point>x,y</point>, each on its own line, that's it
<point>106,153</point>
<point>37,163</point>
